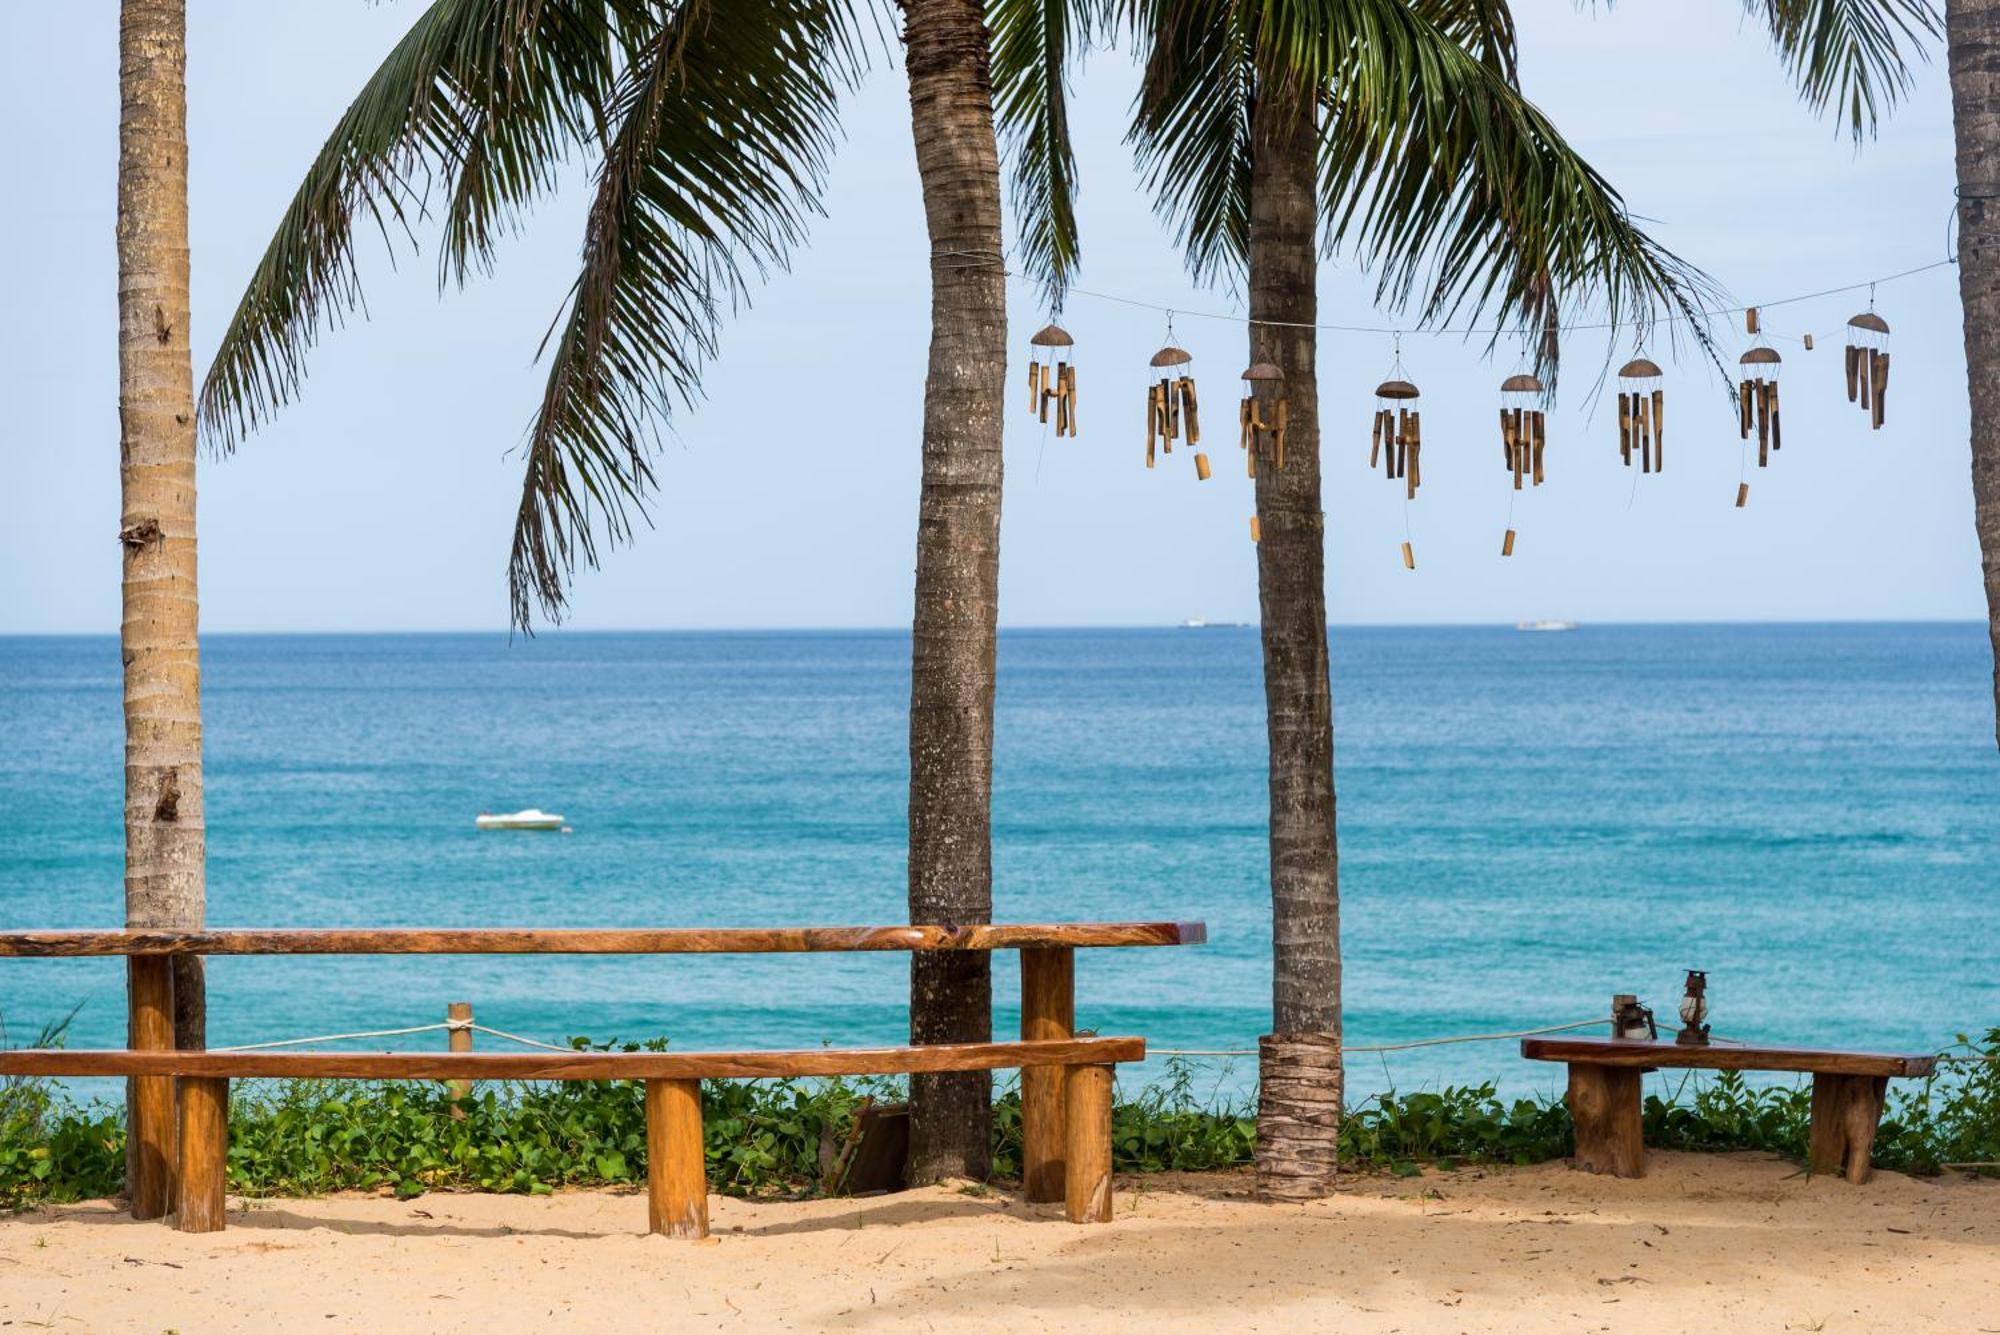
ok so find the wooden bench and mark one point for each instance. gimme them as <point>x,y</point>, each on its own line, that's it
<point>179,1100</point>
<point>1848,1093</point>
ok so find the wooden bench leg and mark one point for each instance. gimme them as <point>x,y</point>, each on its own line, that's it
<point>202,1179</point>
<point>676,1163</point>
<point>1048,1010</point>
<point>150,1098</point>
<point>1087,1166</point>
<point>1845,1112</point>
<point>1604,1105</point>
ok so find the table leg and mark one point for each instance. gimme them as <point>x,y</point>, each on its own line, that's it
<point>1845,1112</point>
<point>1604,1104</point>
<point>1048,1011</point>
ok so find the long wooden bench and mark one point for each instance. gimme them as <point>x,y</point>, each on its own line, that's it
<point>179,1099</point>
<point>1848,1093</point>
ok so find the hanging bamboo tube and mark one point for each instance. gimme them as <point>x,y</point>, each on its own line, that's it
<point>1625,428</point>
<point>1659,428</point>
<point>1507,544</point>
<point>1034,385</point>
<point>1188,410</point>
<point>1256,534</point>
<point>1201,466</point>
<point>1540,426</point>
<point>1777,435</point>
<point>1375,443</point>
<point>1284,425</point>
<point>1880,362</point>
<point>1853,373</point>
<point>1409,557</point>
<point>1743,402</point>
<point>1639,416</point>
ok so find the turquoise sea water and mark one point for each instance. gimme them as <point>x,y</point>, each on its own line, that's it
<point>1528,823</point>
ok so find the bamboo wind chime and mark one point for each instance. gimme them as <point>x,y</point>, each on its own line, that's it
<point>1397,442</point>
<point>1868,364</point>
<point>1171,407</point>
<point>1258,432</point>
<point>1523,434</point>
<point>1642,413</point>
<point>1052,378</point>
<point>1757,405</point>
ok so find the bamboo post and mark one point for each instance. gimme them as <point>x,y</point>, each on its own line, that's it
<point>150,1098</point>
<point>676,1164</point>
<point>1048,1011</point>
<point>459,1038</point>
<point>1087,1174</point>
<point>202,1179</point>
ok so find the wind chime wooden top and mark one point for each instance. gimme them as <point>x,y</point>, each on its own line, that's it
<point>1052,378</point>
<point>1172,409</point>
<point>1868,364</point>
<point>1642,415</point>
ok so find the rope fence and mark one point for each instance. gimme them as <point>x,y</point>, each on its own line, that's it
<point>468,1026</point>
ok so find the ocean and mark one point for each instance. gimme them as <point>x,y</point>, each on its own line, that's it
<point>1528,823</point>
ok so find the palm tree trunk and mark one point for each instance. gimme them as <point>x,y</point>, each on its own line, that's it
<point>1298,1110</point>
<point>1972,34</point>
<point>164,830</point>
<point>958,571</point>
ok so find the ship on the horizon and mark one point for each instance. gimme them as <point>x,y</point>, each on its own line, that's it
<point>1546,623</point>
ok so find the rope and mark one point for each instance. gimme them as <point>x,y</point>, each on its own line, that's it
<point>1392,1047</point>
<point>342,1038</point>
<point>453,1025</point>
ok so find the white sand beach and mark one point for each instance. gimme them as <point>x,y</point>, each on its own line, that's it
<point>1731,1242</point>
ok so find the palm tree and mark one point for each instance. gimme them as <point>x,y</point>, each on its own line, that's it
<point>1972,40</point>
<point>711,126</point>
<point>164,830</point>
<point>1394,129</point>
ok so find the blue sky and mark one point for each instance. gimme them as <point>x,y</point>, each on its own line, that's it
<point>382,500</point>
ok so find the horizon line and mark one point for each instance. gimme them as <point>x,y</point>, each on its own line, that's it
<point>1042,628</point>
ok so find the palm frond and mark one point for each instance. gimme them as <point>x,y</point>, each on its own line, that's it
<point>1850,55</point>
<point>723,125</point>
<point>1191,126</point>
<point>1437,171</point>
<point>1035,43</point>
<point>481,100</point>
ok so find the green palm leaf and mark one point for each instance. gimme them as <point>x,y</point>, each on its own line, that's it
<point>1852,55</point>
<point>713,125</point>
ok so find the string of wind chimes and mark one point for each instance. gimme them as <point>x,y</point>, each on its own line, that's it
<point>1259,433</point>
<point>1868,363</point>
<point>1523,434</point>
<point>1397,443</point>
<point>1171,407</point>
<point>1052,378</point>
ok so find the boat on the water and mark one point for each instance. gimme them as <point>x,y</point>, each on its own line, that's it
<point>1545,624</point>
<point>533,818</point>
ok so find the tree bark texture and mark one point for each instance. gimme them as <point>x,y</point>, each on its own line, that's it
<point>1298,1121</point>
<point>164,830</point>
<point>1972,29</point>
<point>958,570</point>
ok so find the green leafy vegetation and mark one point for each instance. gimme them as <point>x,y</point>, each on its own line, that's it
<point>772,1137</point>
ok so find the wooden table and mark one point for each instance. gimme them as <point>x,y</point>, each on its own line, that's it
<point>1848,1092</point>
<point>1048,1011</point>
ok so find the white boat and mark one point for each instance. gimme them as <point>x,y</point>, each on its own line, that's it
<point>1545,624</point>
<point>1194,623</point>
<point>534,818</point>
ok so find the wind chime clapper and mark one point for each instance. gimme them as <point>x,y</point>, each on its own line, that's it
<point>1171,407</point>
<point>1052,378</point>
<point>1397,442</point>
<point>1757,401</point>
<point>1868,364</point>
<point>1523,434</point>
<point>1642,414</point>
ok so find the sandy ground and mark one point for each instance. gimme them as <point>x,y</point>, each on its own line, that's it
<point>1725,1243</point>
